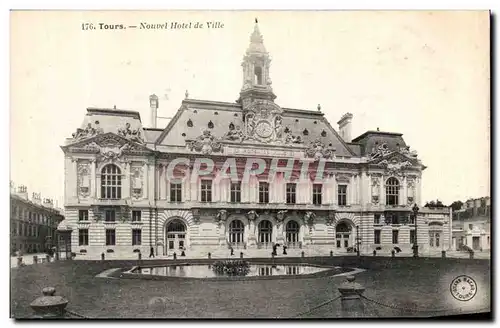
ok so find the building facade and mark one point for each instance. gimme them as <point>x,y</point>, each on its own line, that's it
<point>33,223</point>
<point>294,179</point>
<point>471,225</point>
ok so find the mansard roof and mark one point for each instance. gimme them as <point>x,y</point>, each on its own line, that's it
<point>196,116</point>
<point>372,139</point>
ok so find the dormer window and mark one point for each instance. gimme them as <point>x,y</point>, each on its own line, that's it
<point>323,133</point>
<point>210,125</point>
<point>190,123</point>
<point>258,75</point>
<point>305,132</point>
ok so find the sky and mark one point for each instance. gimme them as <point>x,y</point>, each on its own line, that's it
<point>423,74</point>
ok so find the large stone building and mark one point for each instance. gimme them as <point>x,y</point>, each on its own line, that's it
<point>33,222</point>
<point>471,225</point>
<point>320,190</point>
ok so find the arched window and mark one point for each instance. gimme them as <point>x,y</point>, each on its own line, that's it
<point>392,191</point>
<point>292,232</point>
<point>111,182</point>
<point>265,231</point>
<point>236,231</point>
<point>258,75</point>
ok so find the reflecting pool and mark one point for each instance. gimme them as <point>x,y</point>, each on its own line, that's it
<point>205,270</point>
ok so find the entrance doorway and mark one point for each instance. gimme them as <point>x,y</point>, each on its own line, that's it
<point>343,236</point>
<point>176,236</point>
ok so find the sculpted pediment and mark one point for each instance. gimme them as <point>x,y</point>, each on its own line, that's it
<point>396,163</point>
<point>107,146</point>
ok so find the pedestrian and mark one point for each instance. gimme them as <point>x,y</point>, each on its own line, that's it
<point>232,251</point>
<point>152,253</point>
<point>284,250</point>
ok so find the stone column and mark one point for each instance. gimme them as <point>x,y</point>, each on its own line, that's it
<point>334,190</point>
<point>98,184</point>
<point>382,190</point>
<point>93,179</point>
<point>163,182</point>
<point>74,166</point>
<point>404,193</point>
<point>126,181</point>
<point>187,185</point>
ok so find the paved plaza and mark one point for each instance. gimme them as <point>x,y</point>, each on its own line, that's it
<point>421,285</point>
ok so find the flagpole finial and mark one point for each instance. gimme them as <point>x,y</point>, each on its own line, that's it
<point>256,21</point>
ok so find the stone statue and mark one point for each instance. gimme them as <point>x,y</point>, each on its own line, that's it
<point>278,127</point>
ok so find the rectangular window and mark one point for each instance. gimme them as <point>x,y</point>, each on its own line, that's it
<point>83,237</point>
<point>470,226</point>
<point>136,237</point>
<point>83,215</point>
<point>235,192</point>
<point>395,235</point>
<point>377,237</point>
<point>317,194</point>
<point>412,236</point>
<point>136,216</point>
<point>176,192</point>
<point>206,191</point>
<point>263,192</point>
<point>290,193</point>
<point>110,237</point>
<point>395,218</point>
<point>110,215</point>
<point>376,219</point>
<point>342,195</point>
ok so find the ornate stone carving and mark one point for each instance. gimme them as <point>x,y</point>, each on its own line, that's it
<point>410,200</point>
<point>234,133</point>
<point>343,177</point>
<point>221,216</point>
<point>280,215</point>
<point>394,166</point>
<point>83,180</point>
<point>206,144</point>
<point>407,152</point>
<point>134,135</point>
<point>88,132</point>
<point>112,153</point>
<point>137,174</point>
<point>263,122</point>
<point>309,217</point>
<point>317,149</point>
<point>380,151</point>
<point>330,219</point>
<point>375,199</point>
<point>252,215</point>
<point>291,139</point>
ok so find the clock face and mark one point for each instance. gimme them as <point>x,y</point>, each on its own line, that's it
<point>264,129</point>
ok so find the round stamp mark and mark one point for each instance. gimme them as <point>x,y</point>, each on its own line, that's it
<point>463,288</point>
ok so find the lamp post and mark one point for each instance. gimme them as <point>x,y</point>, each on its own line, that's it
<point>357,240</point>
<point>415,245</point>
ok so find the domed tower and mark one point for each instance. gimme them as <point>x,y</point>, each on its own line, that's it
<point>256,78</point>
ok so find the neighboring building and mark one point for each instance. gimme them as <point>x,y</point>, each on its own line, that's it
<point>120,198</point>
<point>471,224</point>
<point>33,224</point>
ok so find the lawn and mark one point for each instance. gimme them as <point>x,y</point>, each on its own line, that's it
<point>422,283</point>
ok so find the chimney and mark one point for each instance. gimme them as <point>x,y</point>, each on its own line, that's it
<point>36,198</point>
<point>153,104</point>
<point>22,191</point>
<point>345,127</point>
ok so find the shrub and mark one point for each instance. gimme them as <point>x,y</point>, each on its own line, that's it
<point>137,250</point>
<point>231,268</point>
<point>110,251</point>
<point>83,251</point>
